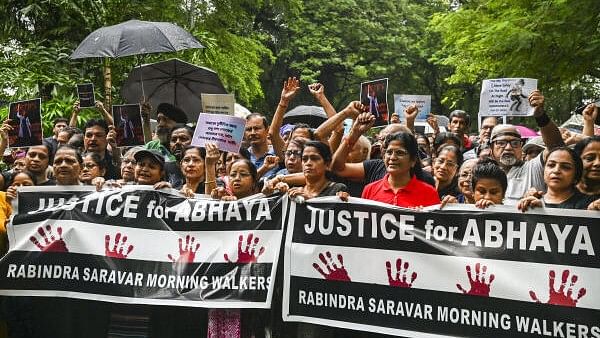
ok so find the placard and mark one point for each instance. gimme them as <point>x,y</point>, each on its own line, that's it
<point>224,130</point>
<point>85,92</point>
<point>506,97</point>
<point>218,104</point>
<point>373,94</point>
<point>26,121</point>
<point>128,124</point>
<point>423,102</point>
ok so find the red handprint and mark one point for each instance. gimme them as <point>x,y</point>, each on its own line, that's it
<point>120,243</point>
<point>333,271</point>
<point>247,255</point>
<point>559,297</point>
<point>51,243</point>
<point>478,285</point>
<point>399,281</point>
<point>187,253</point>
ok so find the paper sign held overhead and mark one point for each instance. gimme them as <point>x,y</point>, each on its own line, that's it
<point>506,97</point>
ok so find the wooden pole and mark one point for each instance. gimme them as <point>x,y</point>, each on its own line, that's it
<point>107,84</point>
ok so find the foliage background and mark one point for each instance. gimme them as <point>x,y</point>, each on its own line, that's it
<point>439,47</point>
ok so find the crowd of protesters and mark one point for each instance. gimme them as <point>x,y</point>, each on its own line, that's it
<point>398,167</point>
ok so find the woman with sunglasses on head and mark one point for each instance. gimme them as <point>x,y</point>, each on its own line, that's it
<point>400,186</point>
<point>562,172</point>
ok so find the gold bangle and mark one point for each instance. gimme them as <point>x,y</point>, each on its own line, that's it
<point>209,182</point>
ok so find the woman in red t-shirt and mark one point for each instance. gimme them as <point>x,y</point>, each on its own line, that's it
<point>399,186</point>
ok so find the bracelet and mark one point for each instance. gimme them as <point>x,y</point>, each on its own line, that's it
<point>542,120</point>
<point>209,182</point>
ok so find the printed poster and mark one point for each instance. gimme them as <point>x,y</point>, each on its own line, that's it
<point>373,94</point>
<point>506,97</point>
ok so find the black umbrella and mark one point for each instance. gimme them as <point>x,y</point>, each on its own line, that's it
<point>173,81</point>
<point>311,115</point>
<point>135,37</point>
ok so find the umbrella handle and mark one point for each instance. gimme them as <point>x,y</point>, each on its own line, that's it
<point>140,58</point>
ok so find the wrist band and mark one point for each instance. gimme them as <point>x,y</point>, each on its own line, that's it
<point>542,120</point>
<point>209,182</point>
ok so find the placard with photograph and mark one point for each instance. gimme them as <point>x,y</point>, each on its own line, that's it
<point>85,92</point>
<point>128,124</point>
<point>26,121</point>
<point>506,97</point>
<point>373,94</point>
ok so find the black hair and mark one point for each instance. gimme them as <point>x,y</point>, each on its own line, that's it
<point>75,150</point>
<point>25,172</point>
<point>460,114</point>
<point>409,142</point>
<point>264,119</point>
<point>201,150</point>
<point>245,153</point>
<point>311,132</point>
<point>455,150</point>
<point>576,161</point>
<point>251,168</point>
<point>97,122</point>
<point>489,168</point>
<point>59,120</point>
<point>322,149</point>
<point>96,158</point>
<point>188,129</point>
<point>298,142</point>
<point>444,137</point>
<point>580,146</point>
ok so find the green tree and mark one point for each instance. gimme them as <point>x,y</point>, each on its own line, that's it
<point>556,42</point>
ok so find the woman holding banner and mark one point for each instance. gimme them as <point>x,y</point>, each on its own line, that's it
<point>562,172</point>
<point>445,167</point>
<point>400,186</point>
<point>588,150</point>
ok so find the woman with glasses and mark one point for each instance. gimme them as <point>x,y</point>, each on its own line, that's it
<point>562,172</point>
<point>445,167</point>
<point>464,182</point>
<point>400,186</point>
<point>193,167</point>
<point>243,182</point>
<point>293,155</point>
<point>92,167</point>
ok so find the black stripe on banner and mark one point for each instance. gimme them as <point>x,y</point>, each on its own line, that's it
<point>436,312</point>
<point>22,270</point>
<point>156,210</point>
<point>491,235</point>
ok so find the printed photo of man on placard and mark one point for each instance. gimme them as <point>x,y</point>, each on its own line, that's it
<point>25,119</point>
<point>128,122</point>
<point>373,94</point>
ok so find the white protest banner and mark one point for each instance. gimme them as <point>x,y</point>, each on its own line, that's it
<point>460,271</point>
<point>402,101</point>
<point>218,103</point>
<point>142,246</point>
<point>224,130</point>
<point>506,97</point>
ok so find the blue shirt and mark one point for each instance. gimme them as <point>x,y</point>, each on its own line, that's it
<point>258,162</point>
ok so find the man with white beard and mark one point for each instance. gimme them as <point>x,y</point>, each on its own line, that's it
<point>507,150</point>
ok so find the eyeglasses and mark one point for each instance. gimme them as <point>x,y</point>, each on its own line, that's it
<point>441,161</point>
<point>128,161</point>
<point>466,175</point>
<point>89,165</point>
<point>397,152</point>
<point>514,143</point>
<point>291,153</point>
<point>241,174</point>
